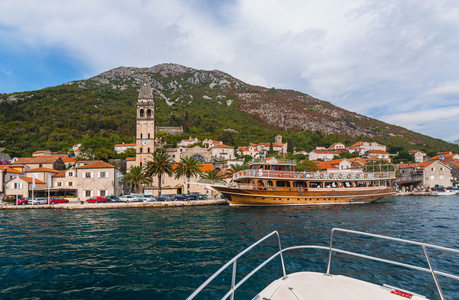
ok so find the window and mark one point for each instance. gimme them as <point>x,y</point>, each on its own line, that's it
<point>432,177</point>
<point>70,174</point>
<point>142,113</point>
<point>70,183</point>
<point>87,193</point>
<point>58,183</point>
<point>441,169</point>
<point>432,169</point>
<point>281,183</point>
<point>148,112</point>
<point>441,176</point>
<point>87,175</point>
<point>102,193</point>
<point>103,174</point>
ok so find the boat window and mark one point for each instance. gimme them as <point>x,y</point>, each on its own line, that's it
<point>299,184</point>
<point>315,185</point>
<point>260,183</point>
<point>282,183</point>
<point>269,183</point>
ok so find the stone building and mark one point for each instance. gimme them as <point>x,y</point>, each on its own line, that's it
<point>425,174</point>
<point>145,123</point>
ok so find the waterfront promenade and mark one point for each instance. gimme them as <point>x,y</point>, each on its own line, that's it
<point>75,204</point>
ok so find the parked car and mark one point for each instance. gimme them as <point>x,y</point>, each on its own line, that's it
<point>198,196</point>
<point>54,200</point>
<point>182,197</point>
<point>150,198</point>
<point>113,198</point>
<point>38,201</point>
<point>129,198</point>
<point>24,201</point>
<point>140,197</point>
<point>97,199</point>
<point>166,197</point>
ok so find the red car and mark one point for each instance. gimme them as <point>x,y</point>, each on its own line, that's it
<point>97,199</point>
<point>24,201</point>
<point>54,200</point>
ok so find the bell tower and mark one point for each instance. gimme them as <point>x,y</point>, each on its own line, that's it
<point>145,123</point>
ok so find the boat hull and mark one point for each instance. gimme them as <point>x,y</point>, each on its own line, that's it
<point>265,197</point>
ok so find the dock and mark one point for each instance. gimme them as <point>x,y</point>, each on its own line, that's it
<point>75,204</point>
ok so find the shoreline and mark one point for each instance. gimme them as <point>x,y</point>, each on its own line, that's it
<point>76,205</point>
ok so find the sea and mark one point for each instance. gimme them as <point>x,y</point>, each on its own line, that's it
<point>166,253</point>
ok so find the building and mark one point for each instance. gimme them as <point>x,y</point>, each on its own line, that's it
<point>96,179</point>
<point>41,152</point>
<point>188,142</point>
<point>337,147</point>
<point>323,154</point>
<point>50,162</point>
<point>377,154</point>
<point>250,150</point>
<point>418,155</point>
<point>209,143</point>
<point>121,148</point>
<point>222,152</point>
<point>170,130</point>
<point>362,147</point>
<point>425,174</point>
<point>145,123</point>
<point>334,165</point>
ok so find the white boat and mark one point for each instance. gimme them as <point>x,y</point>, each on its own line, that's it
<point>445,193</point>
<point>325,285</point>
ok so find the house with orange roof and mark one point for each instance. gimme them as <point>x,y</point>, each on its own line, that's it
<point>362,147</point>
<point>334,165</point>
<point>50,162</point>
<point>418,155</point>
<point>24,186</point>
<point>130,162</point>
<point>337,147</point>
<point>43,174</point>
<point>323,154</point>
<point>97,179</point>
<point>250,150</point>
<point>425,174</point>
<point>121,148</point>
<point>188,142</point>
<point>41,152</point>
<point>222,152</point>
<point>377,154</point>
<point>454,165</point>
<point>209,143</point>
<point>6,174</point>
<point>445,156</point>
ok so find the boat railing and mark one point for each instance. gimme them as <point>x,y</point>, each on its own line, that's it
<point>233,262</point>
<point>341,175</point>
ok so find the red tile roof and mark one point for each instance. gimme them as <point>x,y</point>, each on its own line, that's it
<point>30,180</point>
<point>96,165</point>
<point>42,170</point>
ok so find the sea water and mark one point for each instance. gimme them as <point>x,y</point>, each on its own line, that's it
<point>166,253</point>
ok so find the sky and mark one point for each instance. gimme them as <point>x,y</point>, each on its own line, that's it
<point>396,61</point>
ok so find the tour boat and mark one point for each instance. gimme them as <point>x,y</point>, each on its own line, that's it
<point>325,285</point>
<point>275,182</point>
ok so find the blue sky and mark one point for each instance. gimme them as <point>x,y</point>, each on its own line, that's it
<point>393,60</point>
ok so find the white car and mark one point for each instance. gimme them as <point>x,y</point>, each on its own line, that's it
<point>129,198</point>
<point>37,201</point>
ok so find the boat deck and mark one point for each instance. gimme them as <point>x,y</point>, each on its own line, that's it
<point>318,286</point>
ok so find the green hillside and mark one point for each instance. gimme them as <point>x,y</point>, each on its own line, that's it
<point>208,104</point>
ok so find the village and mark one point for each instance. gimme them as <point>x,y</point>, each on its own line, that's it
<point>75,175</point>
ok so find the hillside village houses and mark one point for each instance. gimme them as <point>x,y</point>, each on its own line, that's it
<point>56,174</point>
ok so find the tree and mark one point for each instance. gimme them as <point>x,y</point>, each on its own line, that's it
<point>306,165</point>
<point>214,175</point>
<point>188,167</point>
<point>135,177</point>
<point>235,168</point>
<point>159,165</point>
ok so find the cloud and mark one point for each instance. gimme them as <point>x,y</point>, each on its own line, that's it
<point>379,58</point>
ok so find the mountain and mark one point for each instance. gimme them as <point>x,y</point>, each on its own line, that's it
<point>208,104</point>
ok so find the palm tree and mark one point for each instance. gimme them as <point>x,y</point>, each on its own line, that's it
<point>188,167</point>
<point>135,177</point>
<point>158,166</point>
<point>214,175</point>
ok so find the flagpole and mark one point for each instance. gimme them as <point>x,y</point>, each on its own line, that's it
<point>17,189</point>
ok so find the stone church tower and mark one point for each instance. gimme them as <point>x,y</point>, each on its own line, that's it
<point>145,124</point>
